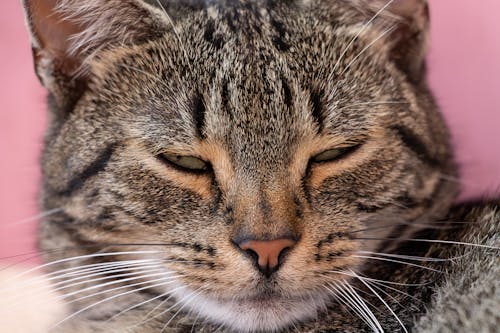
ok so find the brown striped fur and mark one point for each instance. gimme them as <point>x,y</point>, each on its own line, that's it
<point>256,89</point>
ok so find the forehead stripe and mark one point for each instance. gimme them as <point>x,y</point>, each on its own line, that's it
<point>316,98</point>
<point>199,110</point>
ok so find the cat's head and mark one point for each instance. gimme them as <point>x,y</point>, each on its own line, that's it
<point>260,147</point>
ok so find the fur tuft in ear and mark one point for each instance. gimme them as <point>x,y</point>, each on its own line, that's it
<point>411,37</point>
<point>66,34</point>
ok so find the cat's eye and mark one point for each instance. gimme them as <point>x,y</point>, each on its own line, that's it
<point>334,154</point>
<point>185,163</point>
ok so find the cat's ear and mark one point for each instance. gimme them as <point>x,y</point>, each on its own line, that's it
<point>410,38</point>
<point>66,34</point>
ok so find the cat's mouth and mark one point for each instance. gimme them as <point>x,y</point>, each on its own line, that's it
<point>265,309</point>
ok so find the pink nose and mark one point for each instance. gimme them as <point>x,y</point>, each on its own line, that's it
<point>268,252</point>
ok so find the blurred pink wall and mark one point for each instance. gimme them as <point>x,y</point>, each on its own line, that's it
<point>464,71</point>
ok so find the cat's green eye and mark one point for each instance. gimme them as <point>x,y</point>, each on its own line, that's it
<point>333,154</point>
<point>186,163</point>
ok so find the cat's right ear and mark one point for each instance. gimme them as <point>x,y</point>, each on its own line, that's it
<point>67,34</point>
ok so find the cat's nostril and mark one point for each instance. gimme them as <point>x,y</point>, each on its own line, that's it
<point>268,255</point>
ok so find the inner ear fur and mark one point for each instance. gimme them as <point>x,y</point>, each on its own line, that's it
<point>66,34</point>
<point>410,38</point>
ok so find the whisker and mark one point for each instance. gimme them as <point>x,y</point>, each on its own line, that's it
<point>165,301</point>
<point>67,295</point>
<point>354,305</point>
<point>398,262</point>
<point>143,303</point>
<point>408,224</point>
<point>34,218</point>
<point>436,241</point>
<point>363,28</point>
<point>94,255</point>
<point>147,318</point>
<point>194,322</point>
<point>102,268</point>
<point>67,283</point>
<point>387,294</point>
<point>380,281</point>
<point>372,103</point>
<point>396,290</point>
<point>171,22</point>
<point>381,299</point>
<point>140,270</point>
<point>106,300</point>
<point>186,302</point>
<point>341,297</point>
<point>385,32</point>
<point>414,258</point>
<point>96,245</point>
<point>365,307</point>
<point>119,265</point>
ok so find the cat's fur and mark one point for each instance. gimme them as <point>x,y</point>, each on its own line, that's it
<point>256,88</point>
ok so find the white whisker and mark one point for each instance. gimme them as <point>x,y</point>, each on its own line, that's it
<point>385,32</point>
<point>81,257</point>
<point>67,295</point>
<point>398,262</point>
<point>66,284</point>
<point>363,28</point>
<point>143,303</point>
<point>341,294</point>
<point>381,299</point>
<point>434,241</point>
<point>414,258</point>
<point>362,303</point>
<point>106,300</point>
<point>380,281</point>
<point>186,301</point>
<point>171,22</point>
<point>35,217</point>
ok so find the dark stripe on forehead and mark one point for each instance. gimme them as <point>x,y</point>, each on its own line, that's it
<point>199,115</point>
<point>211,36</point>
<point>316,97</point>
<point>279,40</point>
<point>412,141</point>
<point>225,96</point>
<point>287,93</point>
<point>93,169</point>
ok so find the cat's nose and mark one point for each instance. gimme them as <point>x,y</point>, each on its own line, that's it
<point>268,255</point>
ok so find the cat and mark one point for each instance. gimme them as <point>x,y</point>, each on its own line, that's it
<point>253,166</point>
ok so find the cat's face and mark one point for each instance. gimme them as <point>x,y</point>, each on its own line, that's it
<point>259,149</point>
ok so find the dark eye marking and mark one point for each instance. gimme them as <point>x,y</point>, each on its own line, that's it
<point>414,143</point>
<point>98,165</point>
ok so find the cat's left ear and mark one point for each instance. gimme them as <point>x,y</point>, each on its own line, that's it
<point>66,34</point>
<point>410,38</point>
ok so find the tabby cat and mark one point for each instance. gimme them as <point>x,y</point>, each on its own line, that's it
<point>253,166</point>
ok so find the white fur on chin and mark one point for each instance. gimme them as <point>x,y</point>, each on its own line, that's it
<point>246,317</point>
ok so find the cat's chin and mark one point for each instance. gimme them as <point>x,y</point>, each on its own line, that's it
<point>255,314</point>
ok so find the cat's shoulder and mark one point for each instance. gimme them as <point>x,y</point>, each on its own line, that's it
<point>469,293</point>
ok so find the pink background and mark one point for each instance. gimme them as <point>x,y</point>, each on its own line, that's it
<point>464,72</point>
